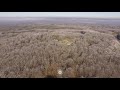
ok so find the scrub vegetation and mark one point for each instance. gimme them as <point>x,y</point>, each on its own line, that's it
<point>80,51</point>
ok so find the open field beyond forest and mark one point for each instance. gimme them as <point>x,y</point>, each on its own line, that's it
<point>38,51</point>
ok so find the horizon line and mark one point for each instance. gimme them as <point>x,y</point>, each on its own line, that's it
<point>57,17</point>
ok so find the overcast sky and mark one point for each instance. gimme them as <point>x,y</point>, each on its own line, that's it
<point>61,14</point>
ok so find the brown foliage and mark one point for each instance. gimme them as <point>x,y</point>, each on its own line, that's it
<point>78,50</point>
